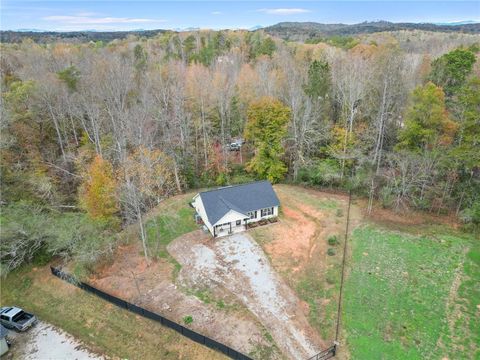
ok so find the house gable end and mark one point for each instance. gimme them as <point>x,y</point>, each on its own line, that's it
<point>231,216</point>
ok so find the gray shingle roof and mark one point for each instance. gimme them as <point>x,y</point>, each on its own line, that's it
<point>241,198</point>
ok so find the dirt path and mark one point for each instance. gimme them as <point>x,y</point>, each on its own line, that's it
<point>44,341</point>
<point>153,288</point>
<point>239,264</point>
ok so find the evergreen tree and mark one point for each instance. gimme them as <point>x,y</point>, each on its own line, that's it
<point>450,71</point>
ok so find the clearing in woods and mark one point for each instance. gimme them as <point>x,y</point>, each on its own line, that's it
<point>412,287</point>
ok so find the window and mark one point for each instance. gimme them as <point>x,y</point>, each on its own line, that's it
<point>267,211</point>
<point>252,214</point>
<point>3,317</point>
<point>239,222</point>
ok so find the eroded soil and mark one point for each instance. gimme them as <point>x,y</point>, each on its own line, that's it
<point>153,288</point>
<point>238,264</point>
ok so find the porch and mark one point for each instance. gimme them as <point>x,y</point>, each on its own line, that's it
<point>230,228</point>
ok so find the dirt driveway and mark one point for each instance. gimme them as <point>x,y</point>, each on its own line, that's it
<point>44,342</point>
<point>238,264</point>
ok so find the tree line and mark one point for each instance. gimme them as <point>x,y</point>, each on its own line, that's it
<point>94,135</point>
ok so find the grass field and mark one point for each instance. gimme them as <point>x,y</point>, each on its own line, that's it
<point>175,219</point>
<point>411,291</point>
<point>102,326</point>
<point>412,297</point>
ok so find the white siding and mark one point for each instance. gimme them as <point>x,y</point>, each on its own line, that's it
<point>200,209</point>
<point>231,217</point>
<point>260,217</point>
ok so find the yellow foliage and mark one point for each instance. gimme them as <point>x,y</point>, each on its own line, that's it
<point>98,191</point>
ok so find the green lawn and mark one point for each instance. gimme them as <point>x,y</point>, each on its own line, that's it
<point>175,219</point>
<point>412,297</point>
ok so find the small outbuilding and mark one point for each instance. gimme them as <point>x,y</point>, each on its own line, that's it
<point>230,209</point>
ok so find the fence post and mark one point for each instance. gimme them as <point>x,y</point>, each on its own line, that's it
<point>201,339</point>
<point>335,345</point>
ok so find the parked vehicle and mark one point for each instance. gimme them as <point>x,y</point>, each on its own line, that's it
<point>16,318</point>
<point>234,146</point>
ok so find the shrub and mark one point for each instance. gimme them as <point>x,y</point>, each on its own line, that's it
<point>188,319</point>
<point>333,240</point>
<point>471,216</point>
<point>331,251</point>
<point>324,172</point>
<point>339,212</point>
<point>222,179</point>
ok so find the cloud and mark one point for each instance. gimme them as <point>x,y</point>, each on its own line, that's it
<point>86,13</point>
<point>88,20</point>
<point>217,13</point>
<point>284,11</point>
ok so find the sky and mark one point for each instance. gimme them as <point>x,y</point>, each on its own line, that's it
<point>103,15</point>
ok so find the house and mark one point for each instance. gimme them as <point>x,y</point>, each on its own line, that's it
<point>230,209</point>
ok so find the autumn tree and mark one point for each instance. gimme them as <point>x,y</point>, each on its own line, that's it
<point>148,179</point>
<point>427,123</point>
<point>266,128</point>
<point>98,191</point>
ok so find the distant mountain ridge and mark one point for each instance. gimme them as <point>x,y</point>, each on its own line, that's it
<point>301,31</point>
<point>10,36</point>
<point>294,31</point>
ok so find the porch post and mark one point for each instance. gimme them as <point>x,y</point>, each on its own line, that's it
<point>230,227</point>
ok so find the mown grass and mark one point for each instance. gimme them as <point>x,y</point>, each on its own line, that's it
<point>398,291</point>
<point>105,328</point>
<point>305,196</point>
<point>174,218</point>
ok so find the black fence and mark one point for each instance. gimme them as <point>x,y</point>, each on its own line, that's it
<point>192,335</point>
<point>326,354</point>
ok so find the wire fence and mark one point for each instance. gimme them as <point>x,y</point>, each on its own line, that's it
<point>340,296</point>
<point>192,335</point>
<point>326,354</point>
<point>331,351</point>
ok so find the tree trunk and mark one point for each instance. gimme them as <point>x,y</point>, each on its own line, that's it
<point>177,178</point>
<point>57,129</point>
<point>143,234</point>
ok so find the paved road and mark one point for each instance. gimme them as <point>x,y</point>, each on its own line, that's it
<point>46,342</point>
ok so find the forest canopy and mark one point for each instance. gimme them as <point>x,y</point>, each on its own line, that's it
<point>94,135</point>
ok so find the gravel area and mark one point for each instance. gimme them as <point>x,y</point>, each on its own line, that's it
<point>239,264</point>
<point>46,342</point>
